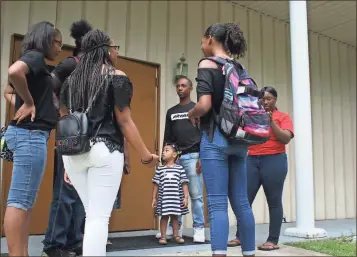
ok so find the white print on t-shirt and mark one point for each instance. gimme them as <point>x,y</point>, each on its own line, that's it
<point>179,116</point>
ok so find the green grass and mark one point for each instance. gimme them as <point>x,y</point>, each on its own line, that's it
<point>342,246</point>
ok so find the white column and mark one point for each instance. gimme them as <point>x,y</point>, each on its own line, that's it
<point>305,216</point>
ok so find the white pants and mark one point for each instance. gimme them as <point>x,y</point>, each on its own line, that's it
<point>96,176</point>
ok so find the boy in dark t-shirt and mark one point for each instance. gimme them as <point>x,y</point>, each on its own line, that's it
<point>65,229</point>
<point>180,131</point>
<point>64,233</point>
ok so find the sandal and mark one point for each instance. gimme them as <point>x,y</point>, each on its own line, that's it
<point>268,246</point>
<point>179,240</point>
<point>163,241</point>
<point>234,243</point>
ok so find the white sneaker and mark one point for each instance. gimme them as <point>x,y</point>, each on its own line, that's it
<point>170,232</point>
<point>199,235</point>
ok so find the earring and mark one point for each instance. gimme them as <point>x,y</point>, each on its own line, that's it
<point>109,53</point>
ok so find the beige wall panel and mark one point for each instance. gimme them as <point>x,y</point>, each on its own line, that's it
<point>352,73</point>
<point>289,109</point>
<point>37,13</point>
<point>280,84</point>
<point>241,18</point>
<point>68,12</point>
<point>317,136</point>
<point>137,30</point>
<point>211,13</point>
<point>349,171</point>
<point>327,132</point>
<point>176,47</point>
<point>336,129</point>
<point>226,12</point>
<point>97,13</point>
<point>117,23</point>
<point>194,33</point>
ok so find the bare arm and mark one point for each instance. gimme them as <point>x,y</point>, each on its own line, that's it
<point>154,191</point>
<point>202,107</point>
<point>9,94</point>
<point>205,101</point>
<point>154,195</point>
<point>185,190</point>
<point>283,135</point>
<point>17,76</point>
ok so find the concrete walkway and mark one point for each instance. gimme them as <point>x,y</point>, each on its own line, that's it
<point>283,251</point>
<point>334,228</point>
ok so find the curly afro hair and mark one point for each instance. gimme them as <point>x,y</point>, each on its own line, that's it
<point>78,30</point>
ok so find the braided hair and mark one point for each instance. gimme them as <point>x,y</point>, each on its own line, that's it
<point>230,36</point>
<point>86,81</point>
<point>78,30</point>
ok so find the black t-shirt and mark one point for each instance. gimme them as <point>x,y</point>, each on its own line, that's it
<point>118,93</point>
<point>65,68</point>
<point>62,72</point>
<point>39,83</point>
<point>179,130</point>
<point>210,82</point>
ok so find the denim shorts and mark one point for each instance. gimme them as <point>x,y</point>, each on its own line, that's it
<point>30,156</point>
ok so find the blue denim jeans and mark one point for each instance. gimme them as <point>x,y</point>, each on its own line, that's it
<point>195,188</point>
<point>65,226</point>
<point>270,172</point>
<point>30,155</point>
<point>224,174</point>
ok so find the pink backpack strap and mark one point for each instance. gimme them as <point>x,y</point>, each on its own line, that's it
<point>76,58</point>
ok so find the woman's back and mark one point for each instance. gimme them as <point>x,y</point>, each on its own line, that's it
<point>116,90</point>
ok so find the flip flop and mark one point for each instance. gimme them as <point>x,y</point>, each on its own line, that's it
<point>163,241</point>
<point>234,243</point>
<point>268,246</point>
<point>179,240</point>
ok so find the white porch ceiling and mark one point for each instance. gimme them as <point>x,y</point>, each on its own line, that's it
<point>334,19</point>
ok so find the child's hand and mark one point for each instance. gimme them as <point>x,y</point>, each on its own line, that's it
<point>154,203</point>
<point>185,202</point>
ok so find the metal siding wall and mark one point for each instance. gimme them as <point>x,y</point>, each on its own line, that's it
<point>172,28</point>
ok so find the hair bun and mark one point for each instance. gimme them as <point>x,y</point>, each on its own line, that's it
<point>79,29</point>
<point>235,41</point>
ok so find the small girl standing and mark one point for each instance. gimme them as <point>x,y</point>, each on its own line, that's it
<point>170,194</point>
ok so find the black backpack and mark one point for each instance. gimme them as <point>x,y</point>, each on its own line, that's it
<point>73,131</point>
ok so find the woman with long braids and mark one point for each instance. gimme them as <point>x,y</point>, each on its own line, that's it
<point>223,163</point>
<point>267,166</point>
<point>96,175</point>
<point>64,233</point>
<point>30,129</point>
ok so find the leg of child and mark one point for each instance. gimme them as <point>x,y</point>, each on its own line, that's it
<point>175,229</point>
<point>163,226</point>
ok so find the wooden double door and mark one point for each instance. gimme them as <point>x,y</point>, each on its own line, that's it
<point>135,212</point>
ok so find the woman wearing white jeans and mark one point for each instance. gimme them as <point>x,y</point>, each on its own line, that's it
<point>96,175</point>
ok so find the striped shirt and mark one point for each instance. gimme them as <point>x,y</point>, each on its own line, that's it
<point>170,194</point>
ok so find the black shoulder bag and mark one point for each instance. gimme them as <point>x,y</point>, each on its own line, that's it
<point>73,132</point>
